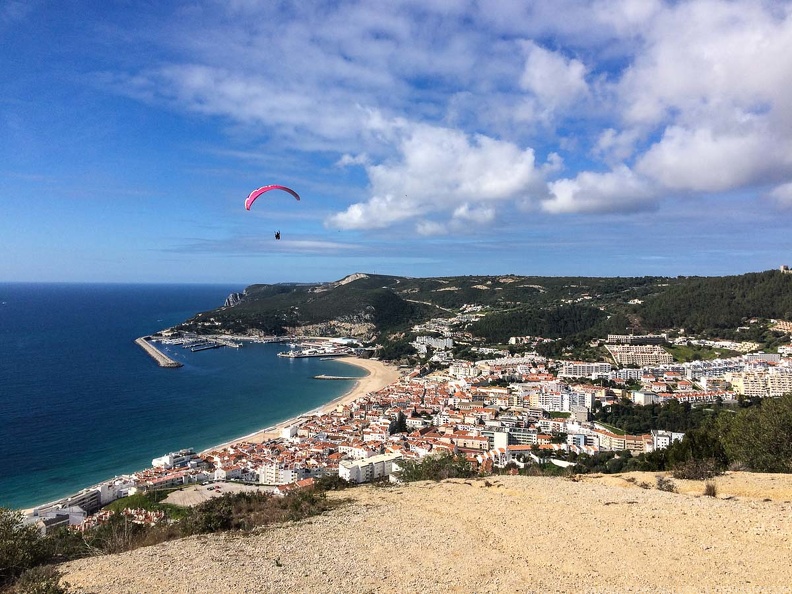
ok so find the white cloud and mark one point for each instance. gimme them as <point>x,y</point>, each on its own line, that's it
<point>466,214</point>
<point>440,170</point>
<point>702,160</point>
<point>435,99</point>
<point>615,146</point>
<point>712,79</point>
<point>430,228</point>
<point>553,78</point>
<point>619,190</point>
<point>347,160</point>
<point>782,195</point>
<point>708,59</point>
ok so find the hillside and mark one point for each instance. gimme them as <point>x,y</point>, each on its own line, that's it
<point>503,534</point>
<point>372,306</point>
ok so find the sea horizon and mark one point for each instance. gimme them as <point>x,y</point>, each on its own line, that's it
<point>81,403</point>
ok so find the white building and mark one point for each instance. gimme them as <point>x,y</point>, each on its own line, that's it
<point>644,398</point>
<point>175,459</point>
<point>278,474</point>
<point>463,369</point>
<point>662,439</point>
<point>369,469</point>
<point>584,369</point>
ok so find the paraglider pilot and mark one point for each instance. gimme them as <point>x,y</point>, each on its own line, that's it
<point>277,234</point>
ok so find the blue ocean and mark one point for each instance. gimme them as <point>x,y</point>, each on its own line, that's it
<point>81,403</point>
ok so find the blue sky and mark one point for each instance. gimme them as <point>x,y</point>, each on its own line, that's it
<point>426,138</point>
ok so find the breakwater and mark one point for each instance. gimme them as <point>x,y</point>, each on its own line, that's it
<point>335,377</point>
<point>161,359</point>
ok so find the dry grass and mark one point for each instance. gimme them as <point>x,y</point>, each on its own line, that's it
<point>505,534</point>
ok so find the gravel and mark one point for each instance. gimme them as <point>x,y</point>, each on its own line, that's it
<point>501,534</point>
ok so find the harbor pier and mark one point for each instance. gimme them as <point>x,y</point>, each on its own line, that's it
<point>161,358</point>
<point>335,377</point>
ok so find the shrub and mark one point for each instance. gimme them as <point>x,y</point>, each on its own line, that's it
<point>697,470</point>
<point>21,546</point>
<point>761,436</point>
<point>666,484</point>
<point>436,468</point>
<point>332,482</point>
<point>710,490</point>
<point>245,511</point>
<point>44,579</point>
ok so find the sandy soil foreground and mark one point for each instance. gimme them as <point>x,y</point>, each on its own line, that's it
<point>502,534</point>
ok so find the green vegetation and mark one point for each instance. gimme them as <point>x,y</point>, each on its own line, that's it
<point>25,554</point>
<point>248,510</point>
<point>756,437</point>
<point>556,322</point>
<point>719,303</point>
<point>436,468</point>
<point>21,546</point>
<point>693,352</point>
<point>572,310</point>
<point>636,419</point>
<point>612,428</point>
<point>44,579</point>
<point>760,437</point>
<point>151,501</point>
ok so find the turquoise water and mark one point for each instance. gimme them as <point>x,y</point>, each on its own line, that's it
<point>80,402</point>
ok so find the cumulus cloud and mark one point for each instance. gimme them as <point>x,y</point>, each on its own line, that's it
<point>553,78</point>
<point>710,59</point>
<point>436,101</point>
<point>619,190</point>
<point>616,146</point>
<point>703,160</point>
<point>441,170</point>
<point>710,81</point>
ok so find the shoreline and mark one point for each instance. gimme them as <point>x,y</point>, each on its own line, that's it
<point>379,376</point>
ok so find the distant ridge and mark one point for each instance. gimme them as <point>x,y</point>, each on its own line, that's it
<point>371,305</point>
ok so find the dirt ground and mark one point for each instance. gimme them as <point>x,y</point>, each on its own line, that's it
<point>195,494</point>
<point>500,534</point>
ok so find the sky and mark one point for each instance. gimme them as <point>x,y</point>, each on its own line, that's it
<point>425,138</point>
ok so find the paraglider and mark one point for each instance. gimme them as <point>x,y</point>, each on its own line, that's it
<point>277,234</point>
<point>256,193</point>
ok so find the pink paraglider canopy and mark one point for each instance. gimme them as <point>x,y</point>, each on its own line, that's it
<point>256,193</point>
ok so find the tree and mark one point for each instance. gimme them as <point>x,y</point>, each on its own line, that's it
<point>398,425</point>
<point>699,445</point>
<point>760,437</point>
<point>21,546</point>
<point>436,468</point>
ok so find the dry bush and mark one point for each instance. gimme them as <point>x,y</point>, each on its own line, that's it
<point>666,484</point>
<point>697,470</point>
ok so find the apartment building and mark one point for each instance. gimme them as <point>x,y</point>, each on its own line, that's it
<point>369,469</point>
<point>584,369</point>
<point>639,355</point>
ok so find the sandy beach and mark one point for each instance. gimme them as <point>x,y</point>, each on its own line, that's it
<point>379,375</point>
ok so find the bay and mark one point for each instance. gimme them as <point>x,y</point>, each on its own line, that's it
<point>81,403</point>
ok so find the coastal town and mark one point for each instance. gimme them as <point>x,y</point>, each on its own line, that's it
<point>503,410</point>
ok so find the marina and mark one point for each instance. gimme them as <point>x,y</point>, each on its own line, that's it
<point>324,351</point>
